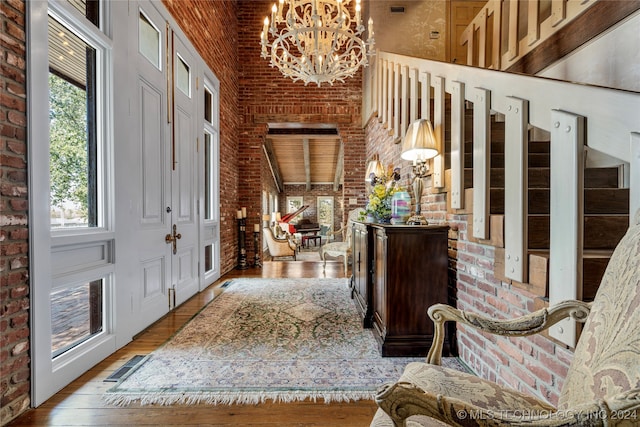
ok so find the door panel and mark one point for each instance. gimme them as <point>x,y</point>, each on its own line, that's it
<point>153,139</point>
<point>184,176</point>
<point>462,13</point>
<point>153,165</point>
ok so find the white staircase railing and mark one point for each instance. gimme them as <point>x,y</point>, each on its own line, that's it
<point>506,30</point>
<point>397,88</point>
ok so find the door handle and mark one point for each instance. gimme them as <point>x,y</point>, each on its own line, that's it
<point>173,238</point>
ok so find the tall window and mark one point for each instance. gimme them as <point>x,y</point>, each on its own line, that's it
<point>73,134</point>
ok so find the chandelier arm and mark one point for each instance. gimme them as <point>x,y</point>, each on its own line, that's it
<point>328,49</point>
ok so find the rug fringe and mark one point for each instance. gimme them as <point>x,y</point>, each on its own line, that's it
<point>234,398</point>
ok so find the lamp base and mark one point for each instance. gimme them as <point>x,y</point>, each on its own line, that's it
<point>417,220</point>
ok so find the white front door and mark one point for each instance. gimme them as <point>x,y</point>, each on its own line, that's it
<point>167,237</point>
<point>184,197</point>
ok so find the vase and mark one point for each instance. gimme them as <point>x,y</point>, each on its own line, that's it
<point>400,207</point>
<point>384,220</point>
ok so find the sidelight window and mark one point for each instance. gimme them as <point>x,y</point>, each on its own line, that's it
<point>73,133</point>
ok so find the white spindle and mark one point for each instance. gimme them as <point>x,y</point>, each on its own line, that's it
<point>566,216</point>
<point>425,96</point>
<point>384,94</point>
<point>438,129</point>
<point>481,162</point>
<point>413,94</point>
<point>515,188</point>
<point>404,99</point>
<point>390,95</point>
<point>457,145</point>
<point>396,101</point>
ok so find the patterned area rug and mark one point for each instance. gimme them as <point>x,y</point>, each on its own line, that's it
<point>278,339</point>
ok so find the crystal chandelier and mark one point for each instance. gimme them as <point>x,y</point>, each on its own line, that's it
<point>313,40</point>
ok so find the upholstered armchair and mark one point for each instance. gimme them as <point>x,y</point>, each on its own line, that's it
<point>343,249</point>
<point>602,386</point>
<point>279,247</point>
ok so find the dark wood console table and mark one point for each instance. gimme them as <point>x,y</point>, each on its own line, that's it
<point>408,273</point>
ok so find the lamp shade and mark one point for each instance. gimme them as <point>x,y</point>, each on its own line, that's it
<point>373,167</point>
<point>419,142</point>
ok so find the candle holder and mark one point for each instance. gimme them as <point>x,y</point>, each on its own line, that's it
<point>256,248</point>
<point>242,250</point>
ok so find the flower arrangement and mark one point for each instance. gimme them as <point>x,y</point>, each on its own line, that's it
<point>382,191</point>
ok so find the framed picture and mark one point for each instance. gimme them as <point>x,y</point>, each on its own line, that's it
<point>293,204</point>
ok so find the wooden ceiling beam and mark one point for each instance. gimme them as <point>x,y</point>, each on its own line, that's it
<point>273,164</point>
<point>307,162</point>
<point>339,166</point>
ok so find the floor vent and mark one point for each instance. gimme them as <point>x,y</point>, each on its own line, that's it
<point>115,377</point>
<point>225,284</point>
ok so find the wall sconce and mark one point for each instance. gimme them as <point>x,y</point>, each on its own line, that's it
<point>374,169</point>
<point>419,145</point>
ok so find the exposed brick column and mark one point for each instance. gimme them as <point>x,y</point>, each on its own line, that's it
<point>14,234</point>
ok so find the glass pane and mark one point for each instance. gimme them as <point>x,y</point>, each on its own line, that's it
<point>208,176</point>
<point>149,40</point>
<point>76,315</point>
<point>89,8</point>
<point>208,258</point>
<point>72,129</point>
<point>325,214</point>
<point>183,77</point>
<point>208,107</point>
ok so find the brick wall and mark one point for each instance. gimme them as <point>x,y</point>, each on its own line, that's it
<point>14,232</point>
<point>211,27</point>
<point>311,198</point>
<point>267,97</point>
<point>534,365</point>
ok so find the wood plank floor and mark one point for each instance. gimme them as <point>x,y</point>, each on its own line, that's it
<point>81,404</point>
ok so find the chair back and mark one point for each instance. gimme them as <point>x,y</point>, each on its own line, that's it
<point>353,216</point>
<point>607,358</point>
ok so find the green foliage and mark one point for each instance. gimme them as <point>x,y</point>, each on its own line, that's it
<point>382,191</point>
<point>68,144</point>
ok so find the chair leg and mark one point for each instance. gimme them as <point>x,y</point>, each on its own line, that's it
<point>345,264</point>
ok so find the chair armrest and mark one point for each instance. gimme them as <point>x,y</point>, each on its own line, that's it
<point>402,400</point>
<point>528,324</point>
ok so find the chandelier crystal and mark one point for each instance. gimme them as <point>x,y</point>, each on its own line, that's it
<point>313,40</point>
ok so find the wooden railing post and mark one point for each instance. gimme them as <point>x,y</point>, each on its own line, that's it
<point>566,216</point>
<point>396,101</point>
<point>414,81</point>
<point>512,50</point>
<point>457,145</point>
<point>404,99</point>
<point>390,94</point>
<point>516,188</point>
<point>481,162</point>
<point>425,96</point>
<point>438,128</point>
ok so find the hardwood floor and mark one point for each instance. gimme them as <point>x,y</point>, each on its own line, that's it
<point>81,404</point>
